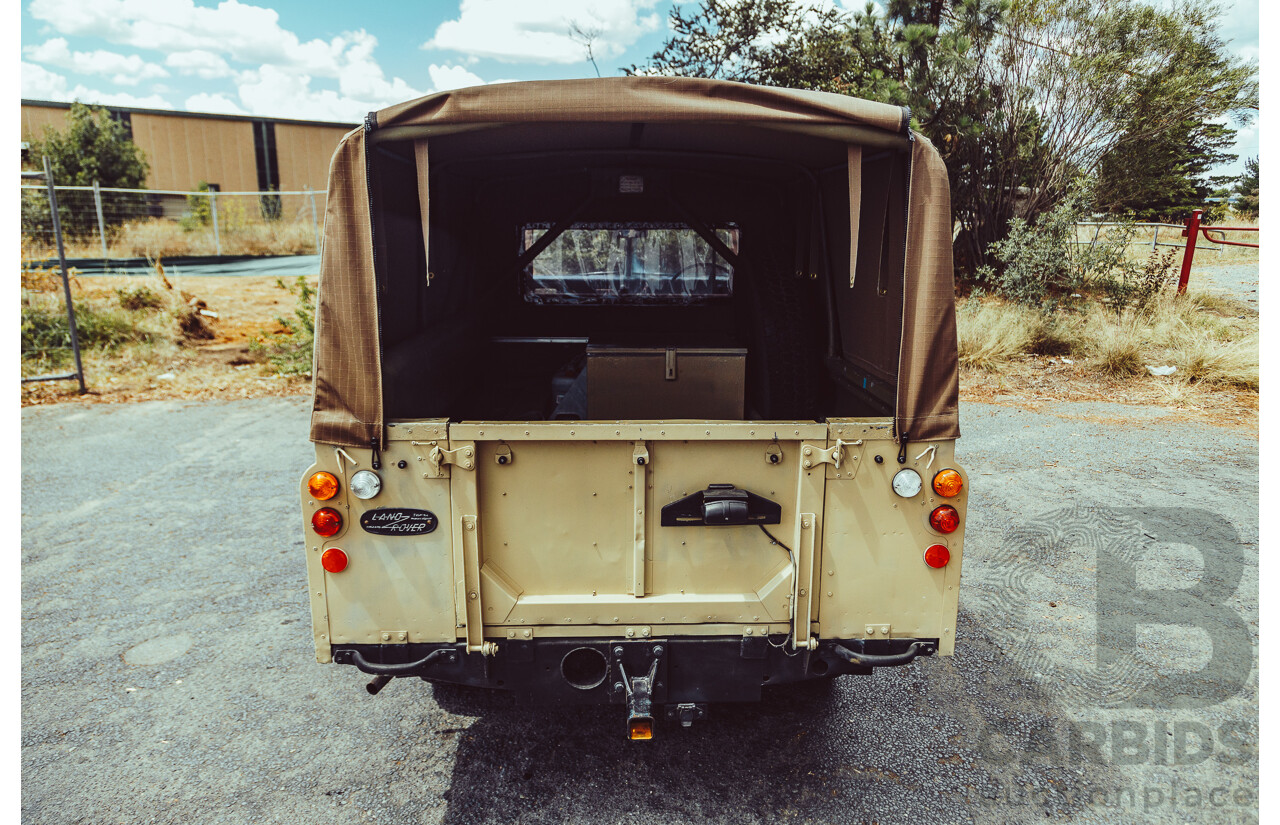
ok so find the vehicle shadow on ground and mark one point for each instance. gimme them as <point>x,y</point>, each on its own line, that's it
<point>941,740</point>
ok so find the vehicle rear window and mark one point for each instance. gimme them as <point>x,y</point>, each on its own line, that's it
<point>602,263</point>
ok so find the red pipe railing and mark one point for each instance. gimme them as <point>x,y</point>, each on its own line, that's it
<point>1193,231</point>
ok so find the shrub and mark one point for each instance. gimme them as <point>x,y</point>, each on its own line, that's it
<point>289,352</point>
<point>138,298</point>
<point>46,335</point>
<point>1138,285</point>
<point>1044,262</point>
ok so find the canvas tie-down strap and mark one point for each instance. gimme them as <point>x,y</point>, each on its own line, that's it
<point>855,207</point>
<point>420,158</point>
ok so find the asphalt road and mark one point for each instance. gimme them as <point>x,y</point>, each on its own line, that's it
<point>168,673</point>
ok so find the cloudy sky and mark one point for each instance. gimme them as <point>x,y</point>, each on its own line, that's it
<point>322,60</point>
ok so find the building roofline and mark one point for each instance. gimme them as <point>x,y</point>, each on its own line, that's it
<point>57,104</point>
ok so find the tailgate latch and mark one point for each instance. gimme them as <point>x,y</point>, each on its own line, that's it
<point>832,455</point>
<point>462,457</point>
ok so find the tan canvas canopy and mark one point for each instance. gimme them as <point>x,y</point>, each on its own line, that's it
<point>348,372</point>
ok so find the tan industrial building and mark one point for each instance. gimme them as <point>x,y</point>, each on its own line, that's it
<point>232,153</point>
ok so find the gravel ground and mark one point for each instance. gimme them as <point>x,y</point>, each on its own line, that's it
<point>1238,279</point>
<point>168,674</point>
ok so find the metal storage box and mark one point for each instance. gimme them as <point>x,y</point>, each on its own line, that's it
<point>665,382</point>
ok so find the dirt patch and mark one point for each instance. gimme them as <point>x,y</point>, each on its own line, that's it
<point>219,366</point>
<point>1038,383</point>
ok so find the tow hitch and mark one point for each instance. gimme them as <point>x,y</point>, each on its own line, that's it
<point>639,696</point>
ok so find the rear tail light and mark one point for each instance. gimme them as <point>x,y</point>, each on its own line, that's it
<point>947,483</point>
<point>322,486</point>
<point>326,522</point>
<point>944,519</point>
<point>937,556</point>
<point>335,561</point>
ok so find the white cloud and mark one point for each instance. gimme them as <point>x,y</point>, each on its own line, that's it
<point>520,31</point>
<point>216,103</point>
<point>246,33</point>
<point>444,78</point>
<point>208,42</point>
<point>125,70</point>
<point>275,92</point>
<point>38,83</point>
<point>203,64</point>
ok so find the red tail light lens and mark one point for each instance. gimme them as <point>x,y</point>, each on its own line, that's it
<point>945,519</point>
<point>937,556</point>
<point>326,522</point>
<point>335,561</point>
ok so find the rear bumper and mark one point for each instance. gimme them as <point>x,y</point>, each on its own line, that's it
<point>591,671</point>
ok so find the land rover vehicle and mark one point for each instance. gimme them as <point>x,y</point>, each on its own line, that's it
<point>637,391</point>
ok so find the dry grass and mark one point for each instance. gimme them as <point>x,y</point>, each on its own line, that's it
<point>1211,340</point>
<point>1116,350</point>
<point>993,332</point>
<point>164,238</point>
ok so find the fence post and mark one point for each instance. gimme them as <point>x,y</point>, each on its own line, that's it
<point>1155,239</point>
<point>213,208</point>
<point>102,225</point>
<point>315,224</point>
<point>66,283</point>
<point>1192,230</point>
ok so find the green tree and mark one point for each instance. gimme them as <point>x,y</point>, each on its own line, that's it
<point>1023,98</point>
<point>1247,187</point>
<point>1164,177</point>
<point>92,147</point>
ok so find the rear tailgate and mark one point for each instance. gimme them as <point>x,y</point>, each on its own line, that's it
<point>560,524</point>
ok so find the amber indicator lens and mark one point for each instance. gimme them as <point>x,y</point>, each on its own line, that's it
<point>937,556</point>
<point>945,519</point>
<point>326,522</point>
<point>947,483</point>
<point>335,561</point>
<point>324,486</point>
<point>640,728</point>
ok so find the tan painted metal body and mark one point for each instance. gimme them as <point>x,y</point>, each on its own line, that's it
<point>562,537</point>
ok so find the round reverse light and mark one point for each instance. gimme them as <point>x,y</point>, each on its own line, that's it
<point>907,483</point>
<point>335,561</point>
<point>947,483</point>
<point>326,522</point>
<point>322,486</point>
<point>944,519</point>
<point>365,484</point>
<point>937,556</point>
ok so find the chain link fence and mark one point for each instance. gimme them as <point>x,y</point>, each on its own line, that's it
<point>70,231</point>
<point>108,224</point>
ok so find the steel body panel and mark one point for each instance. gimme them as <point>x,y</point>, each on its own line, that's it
<point>552,554</point>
